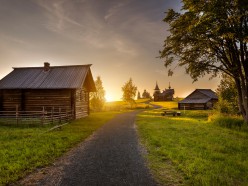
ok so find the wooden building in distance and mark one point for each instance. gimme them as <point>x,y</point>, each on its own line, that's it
<point>49,87</point>
<point>165,95</point>
<point>200,99</point>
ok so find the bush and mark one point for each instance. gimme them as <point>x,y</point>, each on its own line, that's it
<point>228,121</point>
<point>226,107</point>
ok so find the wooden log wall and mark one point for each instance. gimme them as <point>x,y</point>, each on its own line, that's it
<point>191,106</point>
<point>82,103</point>
<point>10,100</point>
<point>35,100</point>
<point>199,106</point>
<point>74,101</point>
<point>182,106</point>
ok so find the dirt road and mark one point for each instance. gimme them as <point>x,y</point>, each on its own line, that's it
<point>111,156</point>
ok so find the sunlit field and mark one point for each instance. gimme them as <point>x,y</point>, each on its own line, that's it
<point>191,150</point>
<point>166,105</point>
<point>23,149</point>
<point>122,105</point>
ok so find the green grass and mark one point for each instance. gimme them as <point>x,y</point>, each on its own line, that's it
<point>166,104</point>
<point>24,149</point>
<point>190,150</point>
<point>228,121</point>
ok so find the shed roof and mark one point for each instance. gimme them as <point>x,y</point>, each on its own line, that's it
<point>204,100</point>
<point>57,77</point>
<point>207,92</point>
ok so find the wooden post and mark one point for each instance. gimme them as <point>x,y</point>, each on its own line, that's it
<point>42,117</point>
<point>66,115</point>
<point>17,115</point>
<point>73,103</point>
<point>23,100</point>
<point>73,114</point>
<point>59,115</point>
<point>52,114</point>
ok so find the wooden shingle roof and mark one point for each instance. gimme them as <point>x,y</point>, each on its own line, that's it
<point>208,92</point>
<point>207,95</point>
<point>55,77</point>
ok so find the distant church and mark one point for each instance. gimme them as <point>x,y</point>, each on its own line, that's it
<point>165,95</point>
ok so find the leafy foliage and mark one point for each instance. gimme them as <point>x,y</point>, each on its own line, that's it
<point>228,96</point>
<point>146,95</point>
<point>209,37</point>
<point>129,91</point>
<point>97,100</point>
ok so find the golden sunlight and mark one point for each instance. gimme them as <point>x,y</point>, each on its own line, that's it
<point>109,97</point>
<point>185,94</point>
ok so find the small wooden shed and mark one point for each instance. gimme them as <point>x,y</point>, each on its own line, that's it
<point>49,87</point>
<point>200,99</point>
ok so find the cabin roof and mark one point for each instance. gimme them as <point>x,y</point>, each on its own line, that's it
<point>55,77</point>
<point>203,100</point>
<point>208,92</point>
<point>208,95</point>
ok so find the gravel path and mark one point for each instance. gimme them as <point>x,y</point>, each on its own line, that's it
<point>111,156</point>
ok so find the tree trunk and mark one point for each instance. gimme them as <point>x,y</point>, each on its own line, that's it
<point>242,98</point>
<point>245,101</point>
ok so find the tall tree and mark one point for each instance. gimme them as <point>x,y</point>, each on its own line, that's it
<point>209,37</point>
<point>97,99</point>
<point>146,95</point>
<point>129,91</point>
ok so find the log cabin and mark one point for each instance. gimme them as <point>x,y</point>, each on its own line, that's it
<point>200,99</point>
<point>49,87</point>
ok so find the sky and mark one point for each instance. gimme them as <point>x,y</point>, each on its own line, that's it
<point>120,38</point>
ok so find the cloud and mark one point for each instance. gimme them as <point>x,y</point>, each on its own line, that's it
<point>126,27</point>
<point>58,18</point>
<point>6,38</point>
<point>124,47</point>
<point>113,10</point>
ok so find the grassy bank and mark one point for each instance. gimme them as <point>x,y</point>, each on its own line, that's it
<point>24,149</point>
<point>190,150</point>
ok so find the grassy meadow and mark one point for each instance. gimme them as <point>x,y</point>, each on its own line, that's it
<point>191,149</point>
<point>195,148</point>
<point>22,149</point>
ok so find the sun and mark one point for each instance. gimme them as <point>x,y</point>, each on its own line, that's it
<point>109,98</point>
